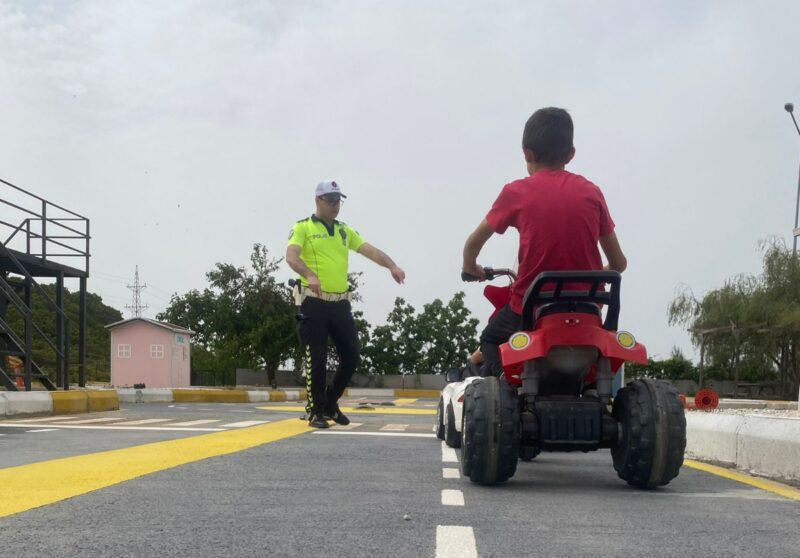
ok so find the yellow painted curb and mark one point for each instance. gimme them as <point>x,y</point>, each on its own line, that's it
<point>416,393</point>
<point>303,396</point>
<point>277,396</point>
<point>764,484</point>
<point>68,402</point>
<point>209,396</point>
<point>105,400</point>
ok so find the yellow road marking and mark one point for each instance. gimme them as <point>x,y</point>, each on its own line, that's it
<point>377,410</point>
<point>764,484</point>
<point>407,401</point>
<point>38,484</point>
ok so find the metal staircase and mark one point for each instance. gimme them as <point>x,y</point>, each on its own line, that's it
<point>42,238</point>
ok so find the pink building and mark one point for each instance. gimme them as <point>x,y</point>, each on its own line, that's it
<point>148,352</point>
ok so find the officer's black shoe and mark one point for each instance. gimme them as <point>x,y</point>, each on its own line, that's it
<point>316,420</point>
<point>336,415</point>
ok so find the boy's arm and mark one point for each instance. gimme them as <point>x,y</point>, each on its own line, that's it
<point>472,248</point>
<point>611,248</point>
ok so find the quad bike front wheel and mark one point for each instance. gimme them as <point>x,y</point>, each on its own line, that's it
<point>451,436</point>
<point>650,448</point>
<point>439,427</point>
<point>490,432</point>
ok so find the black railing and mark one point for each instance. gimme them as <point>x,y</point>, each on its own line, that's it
<point>46,230</point>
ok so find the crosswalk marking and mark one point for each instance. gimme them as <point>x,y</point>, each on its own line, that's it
<point>45,419</point>
<point>195,422</point>
<point>395,427</point>
<point>94,420</point>
<point>244,423</point>
<point>350,426</point>
<point>143,421</point>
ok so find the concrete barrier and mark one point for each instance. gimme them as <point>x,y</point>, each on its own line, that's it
<point>103,400</point>
<point>209,396</point>
<point>28,403</point>
<point>148,395</point>
<point>762,445</point>
<point>69,402</point>
<point>3,404</point>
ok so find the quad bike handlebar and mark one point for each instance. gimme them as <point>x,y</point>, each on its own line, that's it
<point>490,272</point>
<point>536,296</point>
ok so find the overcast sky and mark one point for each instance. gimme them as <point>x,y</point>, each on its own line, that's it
<point>188,131</point>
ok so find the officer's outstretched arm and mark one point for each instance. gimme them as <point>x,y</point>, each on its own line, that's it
<point>379,257</point>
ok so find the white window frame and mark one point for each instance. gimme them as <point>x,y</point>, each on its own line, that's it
<point>124,350</point>
<point>157,351</point>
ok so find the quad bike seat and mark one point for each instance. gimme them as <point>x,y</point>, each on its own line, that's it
<point>567,307</point>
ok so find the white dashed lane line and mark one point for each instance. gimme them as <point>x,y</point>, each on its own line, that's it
<point>394,428</point>
<point>448,454</point>
<point>455,542</point>
<point>450,473</point>
<point>42,430</point>
<point>93,421</point>
<point>452,497</point>
<point>143,421</point>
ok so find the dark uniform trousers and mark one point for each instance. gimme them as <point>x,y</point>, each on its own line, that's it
<point>497,332</point>
<point>318,320</point>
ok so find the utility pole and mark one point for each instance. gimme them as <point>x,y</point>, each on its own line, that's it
<point>789,107</point>
<point>137,307</point>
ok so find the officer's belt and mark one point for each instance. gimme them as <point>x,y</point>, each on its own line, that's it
<point>328,297</point>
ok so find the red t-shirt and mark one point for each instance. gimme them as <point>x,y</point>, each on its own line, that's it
<point>560,216</point>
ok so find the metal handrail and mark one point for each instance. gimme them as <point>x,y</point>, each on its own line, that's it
<point>44,220</point>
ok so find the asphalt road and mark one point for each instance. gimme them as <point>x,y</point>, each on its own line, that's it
<point>383,487</point>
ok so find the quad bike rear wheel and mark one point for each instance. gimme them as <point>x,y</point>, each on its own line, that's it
<point>451,436</point>
<point>439,428</point>
<point>650,448</point>
<point>490,432</point>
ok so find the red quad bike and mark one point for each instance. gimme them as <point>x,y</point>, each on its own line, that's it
<point>555,391</point>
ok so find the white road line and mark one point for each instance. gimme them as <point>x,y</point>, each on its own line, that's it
<point>42,430</point>
<point>455,542</point>
<point>244,423</point>
<point>195,422</point>
<point>398,434</point>
<point>143,421</point>
<point>350,426</point>
<point>43,419</point>
<point>90,421</point>
<point>452,498</point>
<point>448,454</point>
<point>115,427</point>
<point>450,473</point>
<point>394,428</point>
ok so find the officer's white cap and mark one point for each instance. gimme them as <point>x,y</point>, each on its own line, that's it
<point>328,187</point>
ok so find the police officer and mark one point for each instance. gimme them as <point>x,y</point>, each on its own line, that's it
<point>318,251</point>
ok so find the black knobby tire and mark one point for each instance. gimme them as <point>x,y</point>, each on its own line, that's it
<point>439,427</point>
<point>490,432</point>
<point>451,436</point>
<point>652,441</point>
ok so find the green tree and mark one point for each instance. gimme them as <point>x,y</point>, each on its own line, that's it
<point>244,319</point>
<point>750,327</point>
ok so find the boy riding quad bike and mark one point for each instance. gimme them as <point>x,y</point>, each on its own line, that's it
<point>550,359</point>
<point>555,391</point>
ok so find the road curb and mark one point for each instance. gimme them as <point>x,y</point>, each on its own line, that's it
<point>765,446</point>
<point>390,392</point>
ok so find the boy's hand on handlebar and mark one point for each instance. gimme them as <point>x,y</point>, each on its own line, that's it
<point>473,273</point>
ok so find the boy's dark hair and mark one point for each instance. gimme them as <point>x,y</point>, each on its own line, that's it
<point>548,135</point>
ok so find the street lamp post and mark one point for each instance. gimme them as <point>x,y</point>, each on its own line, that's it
<point>790,109</point>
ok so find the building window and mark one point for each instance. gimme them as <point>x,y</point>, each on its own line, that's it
<point>123,351</point>
<point>156,351</point>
